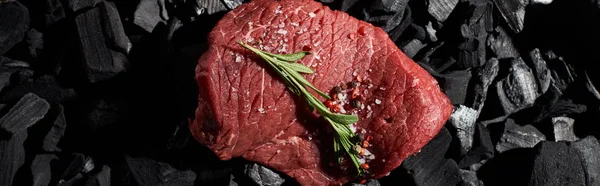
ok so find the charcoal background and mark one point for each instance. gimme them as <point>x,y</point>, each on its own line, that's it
<point>120,99</point>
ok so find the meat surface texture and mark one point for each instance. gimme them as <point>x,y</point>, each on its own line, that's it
<point>246,110</point>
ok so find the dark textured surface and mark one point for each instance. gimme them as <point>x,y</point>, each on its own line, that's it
<point>29,110</point>
<point>557,163</point>
<point>14,18</point>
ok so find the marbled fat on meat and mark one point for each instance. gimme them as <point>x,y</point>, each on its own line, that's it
<point>245,110</point>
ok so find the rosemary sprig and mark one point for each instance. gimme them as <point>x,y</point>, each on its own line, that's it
<point>286,67</point>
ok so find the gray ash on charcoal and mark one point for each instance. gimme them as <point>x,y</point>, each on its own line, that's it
<point>97,92</point>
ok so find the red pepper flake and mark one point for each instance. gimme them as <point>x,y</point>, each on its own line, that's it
<point>355,93</point>
<point>329,103</point>
<point>307,48</point>
<point>362,31</point>
<point>364,166</point>
<point>363,181</point>
<point>365,144</point>
<point>369,138</point>
<point>336,109</point>
<point>359,78</point>
<point>362,152</point>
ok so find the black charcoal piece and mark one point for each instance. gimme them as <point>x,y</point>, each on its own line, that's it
<point>262,175</point>
<point>563,129</point>
<point>113,28</point>
<point>149,13</point>
<point>463,119</point>
<point>102,113</point>
<point>455,85</point>
<point>540,2</point>
<point>588,84</point>
<point>519,89</point>
<point>513,12</point>
<point>100,179</point>
<point>541,71</point>
<point>556,163</point>
<point>41,168</point>
<point>209,7</point>
<point>387,14</point>
<point>484,78</point>
<point>14,22</point>
<point>430,167</point>
<point>519,137</point>
<point>28,111</point>
<point>150,172</point>
<point>441,9</point>
<point>12,157</point>
<point>431,32</point>
<point>411,48</point>
<point>469,178</point>
<point>4,79</point>
<point>563,74</point>
<point>589,148</point>
<point>471,49</point>
<point>76,5</point>
<point>502,44</point>
<point>89,165</point>
<point>482,150</point>
<point>553,104</point>
<point>45,12</point>
<point>231,4</point>
<point>45,87</point>
<point>97,60</point>
<point>56,132</point>
<point>72,172</point>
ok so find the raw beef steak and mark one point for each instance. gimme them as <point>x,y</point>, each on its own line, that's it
<point>245,109</point>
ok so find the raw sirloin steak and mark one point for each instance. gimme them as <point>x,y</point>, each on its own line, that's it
<point>246,110</point>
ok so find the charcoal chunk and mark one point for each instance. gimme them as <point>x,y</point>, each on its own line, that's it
<point>14,18</point>
<point>28,111</point>
<point>485,77</point>
<point>469,178</point>
<point>463,119</point>
<point>441,9</point>
<point>430,167</point>
<point>102,113</point>
<point>590,153</point>
<point>502,45</point>
<point>431,32</point>
<point>45,13</point>
<point>471,49</point>
<point>76,5</point>
<point>149,13</point>
<point>519,89</point>
<point>541,71</point>
<point>556,163</point>
<point>12,157</point>
<point>482,150</point>
<point>368,183</point>
<point>113,28</point>
<point>562,72</point>
<point>56,132</point>
<point>150,172</point>
<point>100,179</point>
<point>588,84</point>
<point>411,48</point>
<point>519,137</point>
<point>41,168</point>
<point>73,172</point>
<point>455,85</point>
<point>262,175</point>
<point>545,2</point>
<point>231,4</point>
<point>97,60</point>
<point>563,129</point>
<point>387,14</point>
<point>513,12</point>
<point>45,87</point>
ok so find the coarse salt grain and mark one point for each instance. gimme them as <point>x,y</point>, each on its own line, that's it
<point>377,101</point>
<point>238,59</point>
<point>281,31</point>
<point>311,15</point>
<point>294,24</point>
